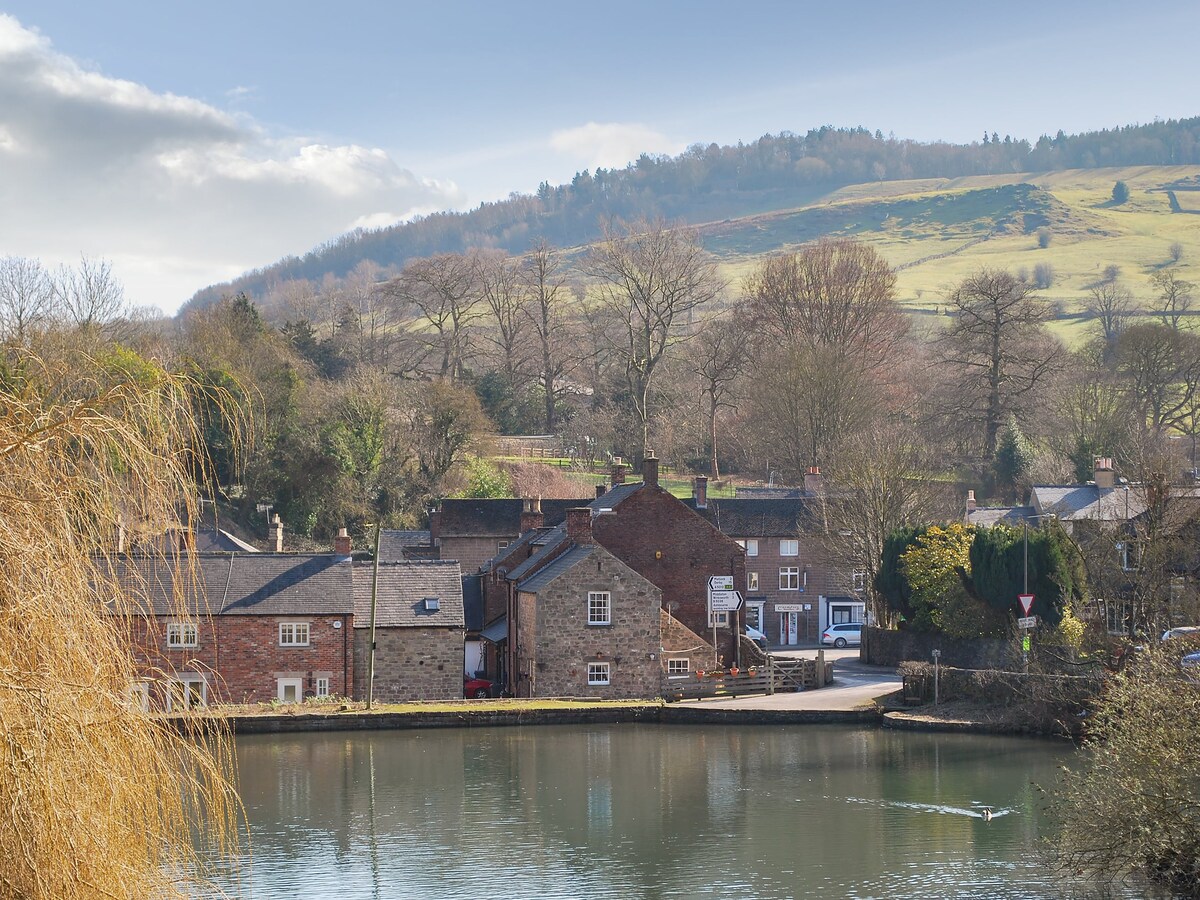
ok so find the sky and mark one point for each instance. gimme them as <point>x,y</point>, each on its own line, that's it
<point>188,143</point>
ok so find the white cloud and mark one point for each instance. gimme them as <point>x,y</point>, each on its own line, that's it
<point>177,193</point>
<point>611,144</point>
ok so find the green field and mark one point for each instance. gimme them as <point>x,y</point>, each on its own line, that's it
<point>938,231</point>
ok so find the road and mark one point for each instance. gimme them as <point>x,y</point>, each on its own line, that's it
<point>854,685</point>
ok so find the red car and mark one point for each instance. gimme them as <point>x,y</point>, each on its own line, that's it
<point>477,688</point>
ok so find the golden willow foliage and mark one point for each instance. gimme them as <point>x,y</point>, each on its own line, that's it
<point>97,797</point>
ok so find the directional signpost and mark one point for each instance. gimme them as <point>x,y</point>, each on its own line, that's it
<point>722,598</point>
<point>1027,623</point>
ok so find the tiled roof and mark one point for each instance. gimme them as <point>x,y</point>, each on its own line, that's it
<point>610,498</point>
<point>559,566</point>
<point>403,587</point>
<point>752,517</point>
<point>987,516</point>
<point>546,543</point>
<point>521,541</point>
<point>269,584</point>
<point>769,493</point>
<point>216,540</point>
<point>497,517</point>
<point>394,544</point>
<point>1086,501</point>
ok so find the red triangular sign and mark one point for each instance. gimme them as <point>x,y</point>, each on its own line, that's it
<point>1026,602</point>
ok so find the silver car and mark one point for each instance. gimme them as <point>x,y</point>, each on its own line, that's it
<point>843,635</point>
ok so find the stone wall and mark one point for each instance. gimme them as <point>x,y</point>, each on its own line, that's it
<point>881,647</point>
<point>472,552</point>
<point>680,642</point>
<point>562,643</point>
<point>410,663</point>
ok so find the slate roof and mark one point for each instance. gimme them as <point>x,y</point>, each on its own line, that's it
<point>524,539</point>
<point>265,584</point>
<point>497,517</point>
<point>769,493</point>
<point>472,593</point>
<point>395,545</point>
<point>610,498</point>
<point>540,579</point>
<point>403,587</point>
<point>216,540</point>
<point>753,517</point>
<point>987,516</point>
<point>545,542</point>
<point>1086,501</point>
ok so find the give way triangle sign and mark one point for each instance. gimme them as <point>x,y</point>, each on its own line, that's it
<point>1026,602</point>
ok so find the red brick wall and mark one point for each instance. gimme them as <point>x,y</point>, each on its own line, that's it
<point>675,549</point>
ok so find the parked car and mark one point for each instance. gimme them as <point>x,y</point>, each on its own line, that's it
<point>757,636</point>
<point>842,635</point>
<point>478,688</point>
<point>1187,631</point>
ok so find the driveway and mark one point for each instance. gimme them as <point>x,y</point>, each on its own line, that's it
<point>854,685</point>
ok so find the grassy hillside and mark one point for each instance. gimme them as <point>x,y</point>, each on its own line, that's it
<point>937,231</point>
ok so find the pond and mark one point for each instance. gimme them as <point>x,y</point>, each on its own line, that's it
<point>638,811</point>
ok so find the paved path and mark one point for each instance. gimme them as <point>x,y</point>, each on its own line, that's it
<point>854,685</point>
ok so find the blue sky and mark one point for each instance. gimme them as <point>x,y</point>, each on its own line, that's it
<point>189,142</point>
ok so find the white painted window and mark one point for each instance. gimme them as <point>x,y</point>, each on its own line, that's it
<point>720,619</point>
<point>860,581</point>
<point>678,666</point>
<point>138,693</point>
<point>501,545</point>
<point>293,634</point>
<point>182,634</point>
<point>752,581</point>
<point>789,548</point>
<point>597,673</point>
<point>322,687</point>
<point>289,690</point>
<point>599,608</point>
<point>751,547</point>
<point>789,578</point>
<point>186,691</point>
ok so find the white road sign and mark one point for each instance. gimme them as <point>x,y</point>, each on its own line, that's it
<point>724,601</point>
<point>1027,622</point>
<point>720,583</point>
<point>1026,602</point>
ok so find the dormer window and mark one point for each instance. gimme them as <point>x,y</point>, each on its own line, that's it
<point>432,604</point>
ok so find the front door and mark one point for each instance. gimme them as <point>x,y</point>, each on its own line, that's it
<point>290,690</point>
<point>789,628</point>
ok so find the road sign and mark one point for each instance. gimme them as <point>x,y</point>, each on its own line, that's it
<point>1026,602</point>
<point>1025,643</point>
<point>720,583</point>
<point>1027,622</point>
<point>724,601</point>
<point>789,607</point>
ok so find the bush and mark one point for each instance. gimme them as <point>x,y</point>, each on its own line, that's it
<point>1043,238</point>
<point>1120,192</point>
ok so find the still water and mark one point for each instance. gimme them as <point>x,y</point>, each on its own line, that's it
<point>636,811</point>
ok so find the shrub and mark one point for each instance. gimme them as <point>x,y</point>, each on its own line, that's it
<point>1120,192</point>
<point>1043,238</point>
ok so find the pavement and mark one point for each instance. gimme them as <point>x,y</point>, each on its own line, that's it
<point>855,685</point>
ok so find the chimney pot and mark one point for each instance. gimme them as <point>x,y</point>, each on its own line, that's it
<point>617,474</point>
<point>532,517</point>
<point>814,481</point>
<point>579,525</point>
<point>1104,475</point>
<point>341,543</point>
<point>600,489</point>
<point>277,533</point>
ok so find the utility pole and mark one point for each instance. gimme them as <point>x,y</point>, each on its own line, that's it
<point>374,604</point>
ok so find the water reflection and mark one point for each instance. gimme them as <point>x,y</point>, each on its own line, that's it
<point>644,812</point>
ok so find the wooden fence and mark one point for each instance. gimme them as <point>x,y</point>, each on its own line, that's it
<point>778,674</point>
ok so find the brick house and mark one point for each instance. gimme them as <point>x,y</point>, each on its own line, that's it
<point>587,625</point>
<point>473,531</point>
<point>419,628</point>
<point>649,531</point>
<point>241,627</point>
<point>794,587</point>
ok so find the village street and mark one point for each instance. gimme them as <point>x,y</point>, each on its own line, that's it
<point>854,685</point>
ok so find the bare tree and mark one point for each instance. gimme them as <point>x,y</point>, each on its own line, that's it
<point>26,297</point>
<point>546,299</point>
<point>650,278</point>
<point>444,292</point>
<point>90,295</point>
<point>718,358</point>
<point>499,279</point>
<point>1160,367</point>
<point>1174,297</point>
<point>1111,304</point>
<point>996,351</point>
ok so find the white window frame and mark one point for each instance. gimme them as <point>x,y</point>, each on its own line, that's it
<point>789,547</point>
<point>289,681</point>
<point>718,619</point>
<point>322,687</point>
<point>183,683</point>
<point>792,576</point>
<point>599,608</point>
<point>599,674</point>
<point>751,581</point>
<point>178,634</point>
<point>678,668</point>
<point>860,581</point>
<point>752,547</point>
<point>292,631</point>
<point>501,546</point>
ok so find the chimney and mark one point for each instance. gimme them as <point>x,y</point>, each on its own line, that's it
<point>970,502</point>
<point>617,474</point>
<point>435,526</point>
<point>700,491</point>
<point>341,543</point>
<point>1104,474</point>
<point>650,471</point>
<point>531,515</point>
<point>814,481</point>
<point>120,535</point>
<point>579,525</point>
<point>600,489</point>
<point>276,535</point>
